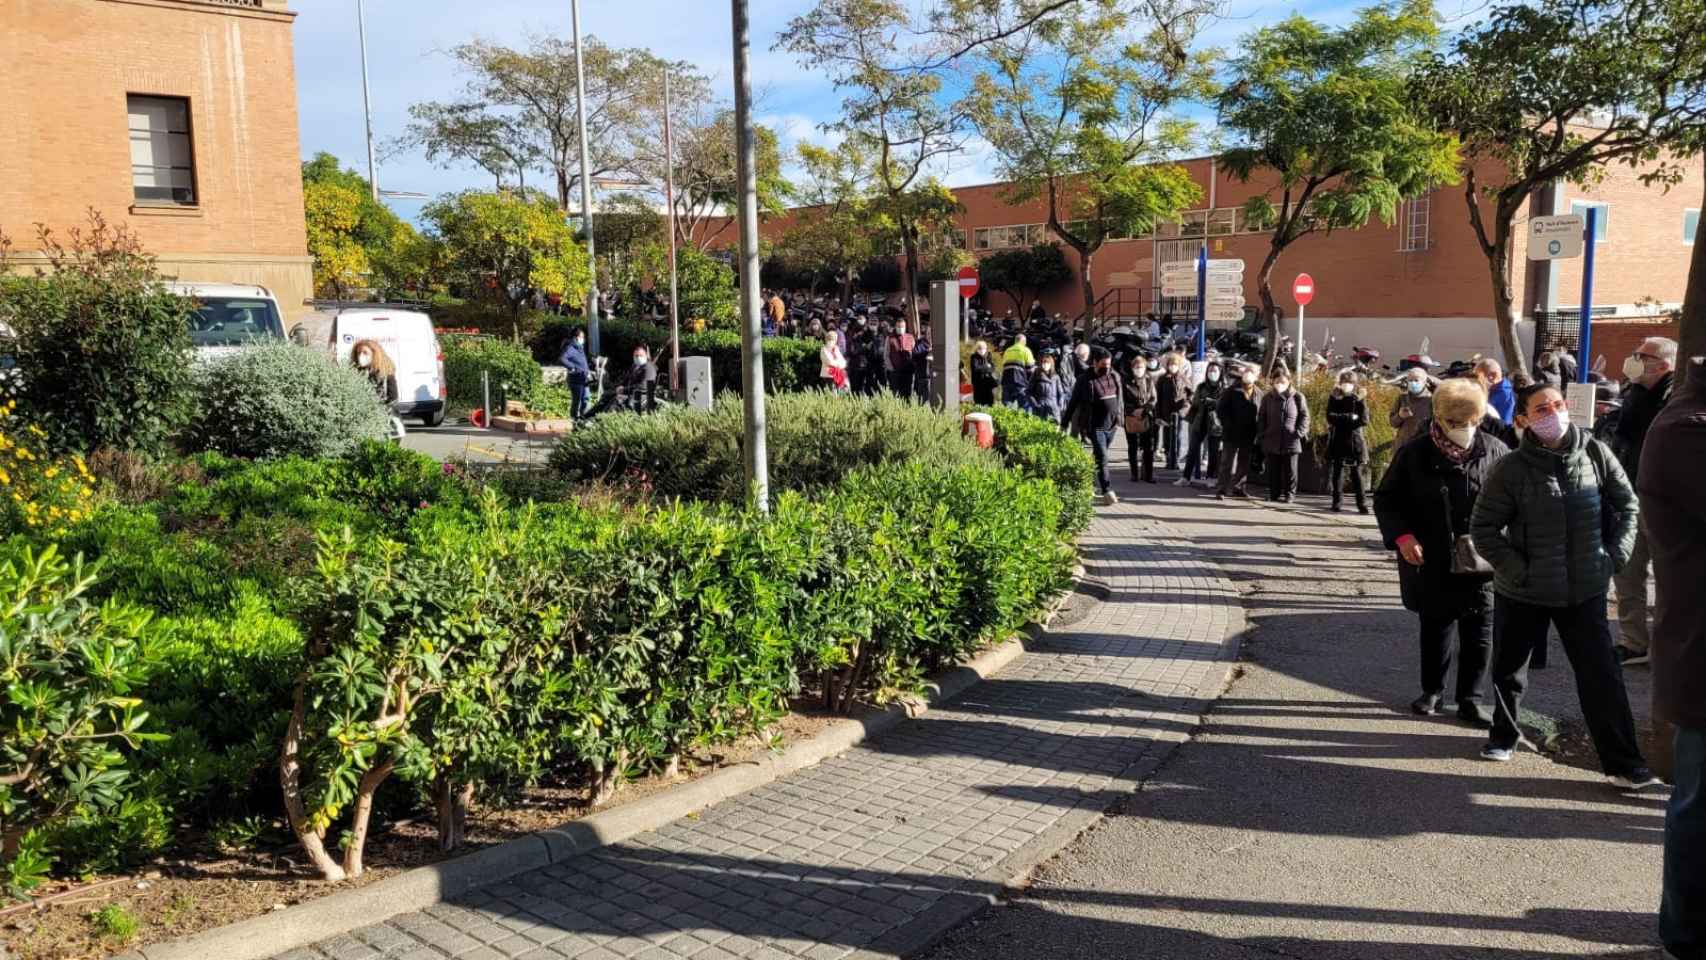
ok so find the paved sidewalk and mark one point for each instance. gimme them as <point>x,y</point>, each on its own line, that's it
<point>872,852</point>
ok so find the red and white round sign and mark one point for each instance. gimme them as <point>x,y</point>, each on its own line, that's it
<point>968,282</point>
<point>1303,289</point>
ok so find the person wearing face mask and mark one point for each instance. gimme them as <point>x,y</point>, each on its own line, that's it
<point>1204,421</point>
<point>638,391</point>
<point>1555,519</point>
<point>1283,423</point>
<point>1172,398</point>
<point>1410,412</point>
<point>1651,378</point>
<point>1501,396</point>
<point>1347,446</point>
<point>574,361</point>
<point>983,377</point>
<point>1141,426</point>
<point>1048,392</point>
<point>1423,506</point>
<point>370,359</point>
<point>1237,411</point>
<point>1095,413</point>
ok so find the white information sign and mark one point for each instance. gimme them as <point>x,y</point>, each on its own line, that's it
<point>1580,400</point>
<point>1556,238</point>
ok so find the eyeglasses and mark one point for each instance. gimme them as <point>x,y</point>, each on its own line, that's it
<point>1646,357</point>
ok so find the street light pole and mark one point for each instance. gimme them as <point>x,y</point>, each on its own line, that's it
<point>756,452</point>
<point>366,101</point>
<point>586,181</point>
<point>669,201</point>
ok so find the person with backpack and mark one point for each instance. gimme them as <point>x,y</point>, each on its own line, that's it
<point>1555,520</point>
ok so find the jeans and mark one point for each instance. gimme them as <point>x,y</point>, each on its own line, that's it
<point>1631,582</point>
<point>1234,468</point>
<point>1682,910</point>
<point>1170,442</point>
<point>1359,483</point>
<point>1193,459</point>
<point>1475,648</point>
<point>1282,475</point>
<point>1518,628</point>
<point>1100,441</point>
<point>1140,453</point>
<point>577,390</point>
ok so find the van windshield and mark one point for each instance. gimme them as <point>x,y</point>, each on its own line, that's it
<point>233,321</point>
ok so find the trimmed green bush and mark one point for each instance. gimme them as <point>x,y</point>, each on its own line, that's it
<point>1318,389</point>
<point>1037,448</point>
<point>815,440</point>
<point>513,371</point>
<point>281,400</point>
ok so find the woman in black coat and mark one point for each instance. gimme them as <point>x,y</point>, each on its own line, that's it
<point>1423,505</point>
<point>1347,443</point>
<point>984,379</point>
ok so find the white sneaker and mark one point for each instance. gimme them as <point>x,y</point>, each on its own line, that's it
<point>1181,482</point>
<point>1110,498</point>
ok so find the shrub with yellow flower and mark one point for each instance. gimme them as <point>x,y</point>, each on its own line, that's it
<point>38,492</point>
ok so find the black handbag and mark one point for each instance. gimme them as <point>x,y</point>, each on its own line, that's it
<point>1466,561</point>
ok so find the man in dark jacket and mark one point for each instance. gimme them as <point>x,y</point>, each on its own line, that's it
<point>1650,374</point>
<point>1674,449</point>
<point>1094,411</point>
<point>897,360</point>
<point>1555,519</point>
<point>574,361</point>
<point>1283,422</point>
<point>1237,410</point>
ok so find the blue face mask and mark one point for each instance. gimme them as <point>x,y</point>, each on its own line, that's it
<point>1415,386</point>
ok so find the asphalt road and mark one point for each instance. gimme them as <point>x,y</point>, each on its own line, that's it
<point>1313,817</point>
<point>459,441</point>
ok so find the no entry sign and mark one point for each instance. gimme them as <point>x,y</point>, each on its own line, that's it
<point>968,282</point>
<point>1303,289</point>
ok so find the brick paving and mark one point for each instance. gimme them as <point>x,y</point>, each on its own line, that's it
<point>833,859</point>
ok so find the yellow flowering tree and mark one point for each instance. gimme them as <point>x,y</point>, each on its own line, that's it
<point>39,493</point>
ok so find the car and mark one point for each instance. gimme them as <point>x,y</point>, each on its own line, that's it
<point>407,337</point>
<point>229,316</point>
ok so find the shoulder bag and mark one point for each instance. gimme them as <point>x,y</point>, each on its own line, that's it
<point>1466,561</point>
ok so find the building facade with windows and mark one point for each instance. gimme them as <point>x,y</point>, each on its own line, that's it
<point>1386,285</point>
<point>176,118</point>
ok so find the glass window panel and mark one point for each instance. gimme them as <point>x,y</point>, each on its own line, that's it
<point>1690,225</point>
<point>1192,223</point>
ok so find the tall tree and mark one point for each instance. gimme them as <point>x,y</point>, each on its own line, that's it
<point>1023,273</point>
<point>519,107</point>
<point>706,187</point>
<point>833,229</point>
<point>357,242</point>
<point>891,108</point>
<point>1322,114</point>
<point>508,246</point>
<point>1555,90</point>
<point>1077,108</point>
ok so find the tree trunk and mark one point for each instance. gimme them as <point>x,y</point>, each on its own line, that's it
<point>909,276</point>
<point>846,288</point>
<point>1693,340</point>
<point>1084,257</point>
<point>1504,296</point>
<point>364,792</point>
<point>452,800</point>
<point>290,780</point>
<point>563,195</point>
<point>1270,312</point>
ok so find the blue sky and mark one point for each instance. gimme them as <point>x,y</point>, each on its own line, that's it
<point>405,38</point>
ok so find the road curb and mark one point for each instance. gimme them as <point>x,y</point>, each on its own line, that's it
<point>263,937</point>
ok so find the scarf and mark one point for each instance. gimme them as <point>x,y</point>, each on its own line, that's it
<point>1453,452</point>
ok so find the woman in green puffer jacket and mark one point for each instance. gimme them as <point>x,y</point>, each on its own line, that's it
<point>1555,519</point>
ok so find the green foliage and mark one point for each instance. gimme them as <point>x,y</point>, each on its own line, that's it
<point>105,346</point>
<point>72,672</point>
<point>28,865</point>
<point>1023,273</point>
<point>790,363</point>
<point>706,285</point>
<point>505,363</point>
<point>116,923</point>
<point>136,830</point>
<point>238,834</point>
<point>1317,389</point>
<point>509,245</point>
<point>816,439</point>
<point>280,400</point>
<point>357,242</point>
<point>1039,449</point>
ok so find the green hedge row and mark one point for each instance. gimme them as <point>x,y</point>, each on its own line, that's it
<point>508,365</point>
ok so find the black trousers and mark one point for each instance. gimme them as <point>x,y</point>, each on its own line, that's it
<point>1281,471</point>
<point>1140,453</point>
<point>1474,629</point>
<point>1170,443</point>
<point>1234,467</point>
<point>1359,481</point>
<point>1193,459</point>
<point>900,381</point>
<point>1518,628</point>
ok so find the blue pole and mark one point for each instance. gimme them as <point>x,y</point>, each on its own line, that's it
<point>1587,298</point>
<point>1202,303</point>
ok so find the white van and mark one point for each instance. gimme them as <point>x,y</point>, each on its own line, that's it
<point>408,339</point>
<point>229,316</point>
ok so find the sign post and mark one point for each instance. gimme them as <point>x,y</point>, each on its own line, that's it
<point>968,289</point>
<point>1202,302</point>
<point>1303,291</point>
<point>1586,345</point>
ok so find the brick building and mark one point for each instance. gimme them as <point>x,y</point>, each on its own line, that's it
<point>174,117</point>
<point>1385,286</point>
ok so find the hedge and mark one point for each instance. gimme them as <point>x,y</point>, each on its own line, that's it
<point>467,357</point>
<point>1318,388</point>
<point>789,363</point>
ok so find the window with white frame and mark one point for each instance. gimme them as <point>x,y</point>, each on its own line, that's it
<point>1222,222</point>
<point>162,157</point>
<point>1602,216</point>
<point>1690,225</point>
<point>1415,226</point>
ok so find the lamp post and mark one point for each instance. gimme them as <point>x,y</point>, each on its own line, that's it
<point>586,181</point>
<point>755,451</point>
<point>669,202</point>
<point>366,101</point>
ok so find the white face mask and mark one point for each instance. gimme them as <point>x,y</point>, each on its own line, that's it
<point>1282,388</point>
<point>1248,379</point>
<point>639,358</point>
<point>1462,436</point>
<point>1633,368</point>
<point>1213,376</point>
<point>363,360</point>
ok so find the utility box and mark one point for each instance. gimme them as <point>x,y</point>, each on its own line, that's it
<point>695,379</point>
<point>945,345</point>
